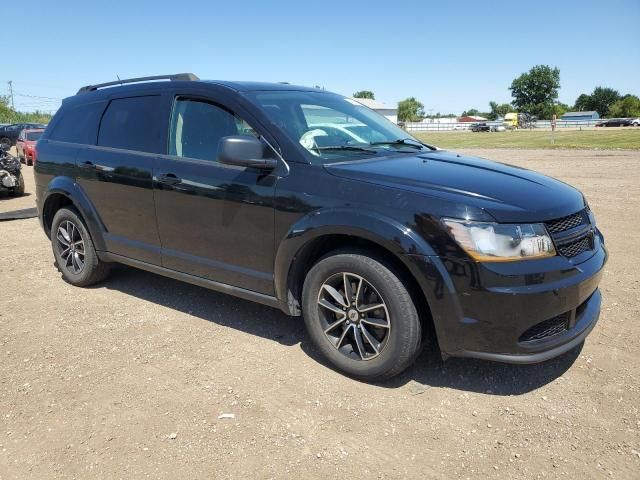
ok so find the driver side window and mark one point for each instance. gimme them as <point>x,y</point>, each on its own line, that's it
<point>197,127</point>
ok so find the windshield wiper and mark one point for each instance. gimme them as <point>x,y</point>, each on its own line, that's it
<point>409,142</point>
<point>347,147</point>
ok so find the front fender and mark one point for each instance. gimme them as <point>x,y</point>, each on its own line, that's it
<point>386,232</point>
<point>69,188</point>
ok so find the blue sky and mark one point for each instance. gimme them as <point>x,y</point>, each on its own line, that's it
<point>450,55</point>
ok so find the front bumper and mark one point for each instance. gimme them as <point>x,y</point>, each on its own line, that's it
<point>556,345</point>
<point>487,310</point>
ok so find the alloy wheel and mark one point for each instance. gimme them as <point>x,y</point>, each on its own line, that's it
<point>71,246</point>
<point>354,316</point>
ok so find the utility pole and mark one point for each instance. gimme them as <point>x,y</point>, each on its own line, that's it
<point>11,93</point>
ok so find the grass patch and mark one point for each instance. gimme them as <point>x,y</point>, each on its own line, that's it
<point>605,138</point>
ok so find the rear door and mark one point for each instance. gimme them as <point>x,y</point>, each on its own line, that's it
<point>215,221</point>
<point>116,173</point>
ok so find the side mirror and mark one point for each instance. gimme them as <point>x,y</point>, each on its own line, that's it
<point>244,151</point>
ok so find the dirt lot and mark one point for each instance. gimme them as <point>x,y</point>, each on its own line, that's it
<point>127,380</point>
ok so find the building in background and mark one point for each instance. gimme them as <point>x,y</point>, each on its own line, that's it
<point>580,116</point>
<point>471,118</point>
<point>391,113</point>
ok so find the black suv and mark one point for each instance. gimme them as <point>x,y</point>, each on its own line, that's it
<point>9,133</point>
<point>309,202</point>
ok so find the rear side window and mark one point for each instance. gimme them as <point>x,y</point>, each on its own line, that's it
<point>132,124</point>
<point>78,124</point>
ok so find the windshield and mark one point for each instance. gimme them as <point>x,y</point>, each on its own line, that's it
<point>33,135</point>
<point>331,128</point>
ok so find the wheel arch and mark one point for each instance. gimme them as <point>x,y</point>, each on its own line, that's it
<point>323,232</point>
<point>64,191</point>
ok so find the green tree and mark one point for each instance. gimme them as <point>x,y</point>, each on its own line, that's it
<point>9,115</point>
<point>472,112</point>
<point>583,102</point>
<point>410,110</point>
<point>627,106</point>
<point>498,110</point>
<point>364,94</point>
<point>560,109</point>
<point>535,91</point>
<point>601,100</point>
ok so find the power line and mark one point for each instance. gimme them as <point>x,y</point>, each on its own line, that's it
<point>36,96</point>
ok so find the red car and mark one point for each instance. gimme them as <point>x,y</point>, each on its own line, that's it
<point>26,145</point>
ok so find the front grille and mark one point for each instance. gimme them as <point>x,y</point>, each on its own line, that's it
<point>566,223</point>
<point>546,329</point>
<point>565,244</point>
<point>576,247</point>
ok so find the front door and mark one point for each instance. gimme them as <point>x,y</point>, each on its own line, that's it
<point>215,221</point>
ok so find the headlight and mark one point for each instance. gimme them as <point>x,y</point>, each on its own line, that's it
<point>496,242</point>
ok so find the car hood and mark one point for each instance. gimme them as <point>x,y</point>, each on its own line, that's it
<point>506,192</point>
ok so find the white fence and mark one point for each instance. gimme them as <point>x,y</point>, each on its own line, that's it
<point>540,124</point>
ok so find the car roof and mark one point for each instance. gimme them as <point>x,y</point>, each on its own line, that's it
<point>238,86</point>
<point>32,130</point>
<point>243,86</point>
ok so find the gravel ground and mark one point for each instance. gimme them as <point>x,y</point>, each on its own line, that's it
<point>129,379</point>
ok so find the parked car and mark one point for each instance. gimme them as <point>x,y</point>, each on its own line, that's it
<point>615,122</point>
<point>498,127</point>
<point>11,180</point>
<point>9,134</point>
<point>635,122</point>
<point>26,145</point>
<point>481,127</point>
<point>378,246</point>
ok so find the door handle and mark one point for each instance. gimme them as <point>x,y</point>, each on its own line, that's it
<point>169,179</point>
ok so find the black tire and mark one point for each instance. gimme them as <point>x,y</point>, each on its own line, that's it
<point>18,190</point>
<point>5,142</point>
<point>399,342</point>
<point>93,270</point>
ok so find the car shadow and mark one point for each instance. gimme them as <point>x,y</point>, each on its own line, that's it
<point>429,370</point>
<point>4,194</point>
<point>219,308</point>
<point>482,376</point>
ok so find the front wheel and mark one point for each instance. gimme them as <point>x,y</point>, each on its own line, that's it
<point>361,316</point>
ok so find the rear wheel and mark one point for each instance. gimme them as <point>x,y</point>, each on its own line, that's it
<point>73,250</point>
<point>360,316</point>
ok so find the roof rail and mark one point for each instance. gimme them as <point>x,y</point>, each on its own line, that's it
<point>174,77</point>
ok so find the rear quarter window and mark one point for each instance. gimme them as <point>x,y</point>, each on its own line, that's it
<point>78,124</point>
<point>132,124</point>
